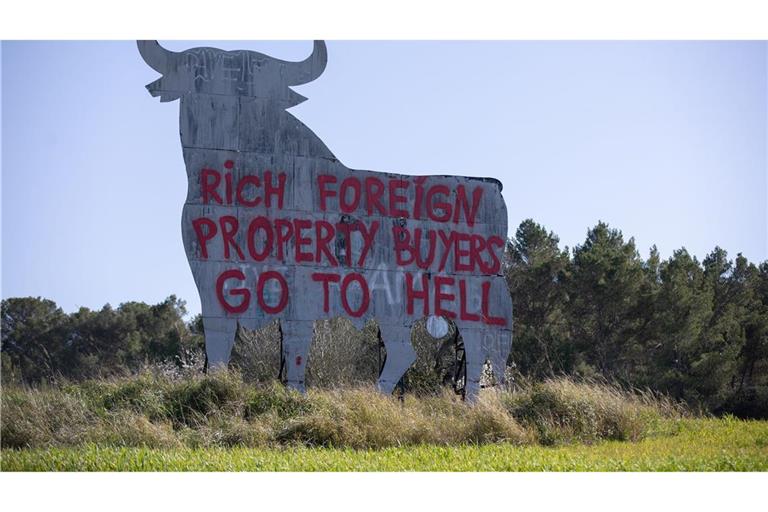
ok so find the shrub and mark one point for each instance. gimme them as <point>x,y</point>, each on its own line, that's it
<point>226,430</point>
<point>126,428</point>
<point>221,410</point>
<point>313,430</point>
<point>434,366</point>
<point>275,398</point>
<point>488,422</point>
<point>363,418</point>
<point>144,395</point>
<point>341,355</point>
<point>44,417</point>
<point>562,410</point>
<point>189,402</point>
<point>256,354</point>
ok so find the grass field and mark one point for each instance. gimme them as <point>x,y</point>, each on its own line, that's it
<point>676,445</point>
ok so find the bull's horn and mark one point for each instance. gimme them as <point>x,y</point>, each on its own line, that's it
<point>297,73</point>
<point>155,55</point>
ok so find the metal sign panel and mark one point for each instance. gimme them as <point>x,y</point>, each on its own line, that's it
<point>276,227</point>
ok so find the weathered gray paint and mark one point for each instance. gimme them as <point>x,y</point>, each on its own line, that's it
<point>233,110</point>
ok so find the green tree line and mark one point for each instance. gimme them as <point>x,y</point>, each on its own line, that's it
<point>697,331</point>
<point>41,343</point>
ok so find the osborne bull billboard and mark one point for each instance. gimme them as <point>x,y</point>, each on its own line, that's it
<point>276,227</point>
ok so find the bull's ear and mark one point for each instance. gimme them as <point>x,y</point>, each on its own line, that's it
<point>294,98</point>
<point>155,55</point>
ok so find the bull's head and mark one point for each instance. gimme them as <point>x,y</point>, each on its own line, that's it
<point>232,73</point>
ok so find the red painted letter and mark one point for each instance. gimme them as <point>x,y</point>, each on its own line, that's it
<point>300,241</point>
<point>470,212</point>
<point>440,296</point>
<point>322,181</point>
<point>495,266</point>
<point>202,238</point>
<point>324,233</point>
<point>448,244</point>
<point>209,188</point>
<point>402,239</point>
<point>363,288</point>
<point>270,190</point>
<point>263,278</point>
<point>466,315</point>
<point>461,253</point>
<point>263,223</point>
<point>284,230</point>
<point>229,226</point>
<point>374,189</point>
<point>246,180</point>
<point>243,292</point>
<point>432,237</point>
<point>411,294</point>
<point>433,206</point>
<point>326,279</point>
<point>395,199</point>
<point>349,184</point>
<point>368,237</point>
<point>487,318</point>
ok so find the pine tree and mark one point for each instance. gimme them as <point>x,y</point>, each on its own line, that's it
<point>604,291</point>
<point>535,276</point>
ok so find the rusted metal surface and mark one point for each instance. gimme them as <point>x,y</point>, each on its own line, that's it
<point>276,227</point>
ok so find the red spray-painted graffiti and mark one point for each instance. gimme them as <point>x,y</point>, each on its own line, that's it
<point>278,236</point>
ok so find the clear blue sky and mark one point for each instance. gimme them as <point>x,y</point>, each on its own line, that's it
<point>666,141</point>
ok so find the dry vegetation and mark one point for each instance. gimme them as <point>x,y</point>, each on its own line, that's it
<point>221,410</point>
<point>167,406</point>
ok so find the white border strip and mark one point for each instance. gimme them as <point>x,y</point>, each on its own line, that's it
<point>391,19</point>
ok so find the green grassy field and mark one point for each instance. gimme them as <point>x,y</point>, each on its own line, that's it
<point>677,445</point>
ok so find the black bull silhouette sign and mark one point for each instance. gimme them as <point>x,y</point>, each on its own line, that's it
<point>276,227</point>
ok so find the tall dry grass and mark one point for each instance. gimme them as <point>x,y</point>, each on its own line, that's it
<point>564,410</point>
<point>222,410</point>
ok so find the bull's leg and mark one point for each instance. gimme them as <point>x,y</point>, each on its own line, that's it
<point>297,337</point>
<point>473,350</point>
<point>497,347</point>
<point>219,338</point>
<point>400,355</point>
<point>498,339</point>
